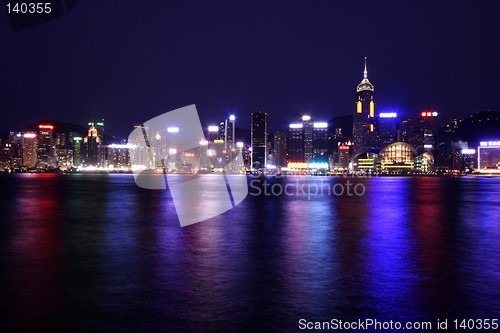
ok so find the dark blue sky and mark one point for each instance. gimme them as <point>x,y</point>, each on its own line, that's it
<point>128,61</point>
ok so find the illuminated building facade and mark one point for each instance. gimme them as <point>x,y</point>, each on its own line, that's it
<point>258,139</point>
<point>226,132</point>
<point>94,154</point>
<point>77,147</point>
<point>344,156</point>
<point>308,126</point>
<point>429,127</point>
<point>308,141</point>
<point>397,156</point>
<point>364,124</point>
<point>64,157</point>
<point>30,150</point>
<point>320,142</point>
<point>488,156</point>
<point>118,156</point>
<point>46,146</point>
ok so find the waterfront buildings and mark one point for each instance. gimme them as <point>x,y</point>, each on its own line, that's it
<point>308,141</point>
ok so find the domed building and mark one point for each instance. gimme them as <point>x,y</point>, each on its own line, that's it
<point>395,158</point>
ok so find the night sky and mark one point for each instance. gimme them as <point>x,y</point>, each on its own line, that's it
<point>128,61</point>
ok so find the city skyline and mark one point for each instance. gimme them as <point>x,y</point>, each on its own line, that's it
<point>307,62</point>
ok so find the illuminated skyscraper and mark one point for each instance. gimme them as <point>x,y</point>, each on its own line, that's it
<point>93,152</point>
<point>388,128</point>
<point>430,125</point>
<point>77,156</point>
<point>46,145</point>
<point>30,150</point>
<point>226,133</point>
<point>259,140</point>
<point>296,143</point>
<point>320,141</point>
<point>307,141</point>
<point>308,137</point>
<point>364,131</point>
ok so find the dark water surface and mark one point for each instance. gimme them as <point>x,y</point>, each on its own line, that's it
<point>97,253</point>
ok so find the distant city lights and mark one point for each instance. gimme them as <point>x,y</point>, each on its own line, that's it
<point>44,126</point>
<point>468,151</point>
<point>203,142</point>
<point>232,117</point>
<point>213,128</point>
<point>429,114</point>
<point>296,125</point>
<point>121,146</point>
<point>306,118</point>
<point>318,165</point>
<point>320,125</point>
<point>29,135</point>
<point>239,144</point>
<point>388,115</point>
<point>172,151</point>
<point>297,165</point>
<point>489,143</point>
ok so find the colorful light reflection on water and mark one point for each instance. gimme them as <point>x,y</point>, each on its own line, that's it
<point>98,253</point>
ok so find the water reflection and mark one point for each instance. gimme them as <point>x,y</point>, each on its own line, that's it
<point>391,271</point>
<point>98,253</point>
<point>32,264</point>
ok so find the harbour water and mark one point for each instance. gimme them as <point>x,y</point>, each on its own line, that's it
<point>98,253</point>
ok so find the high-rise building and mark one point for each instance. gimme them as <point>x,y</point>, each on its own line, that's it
<point>295,143</point>
<point>388,128</point>
<point>320,142</point>
<point>430,125</point>
<point>307,126</point>
<point>30,150</point>
<point>46,145</point>
<point>227,132</point>
<point>280,149</point>
<point>411,132</point>
<point>364,125</point>
<point>93,152</point>
<point>230,130</point>
<point>259,140</point>
<point>344,155</point>
<point>308,141</point>
<point>77,148</point>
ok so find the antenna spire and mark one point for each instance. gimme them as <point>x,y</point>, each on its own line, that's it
<point>365,72</point>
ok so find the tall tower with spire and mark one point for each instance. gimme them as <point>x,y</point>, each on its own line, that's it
<point>364,130</point>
